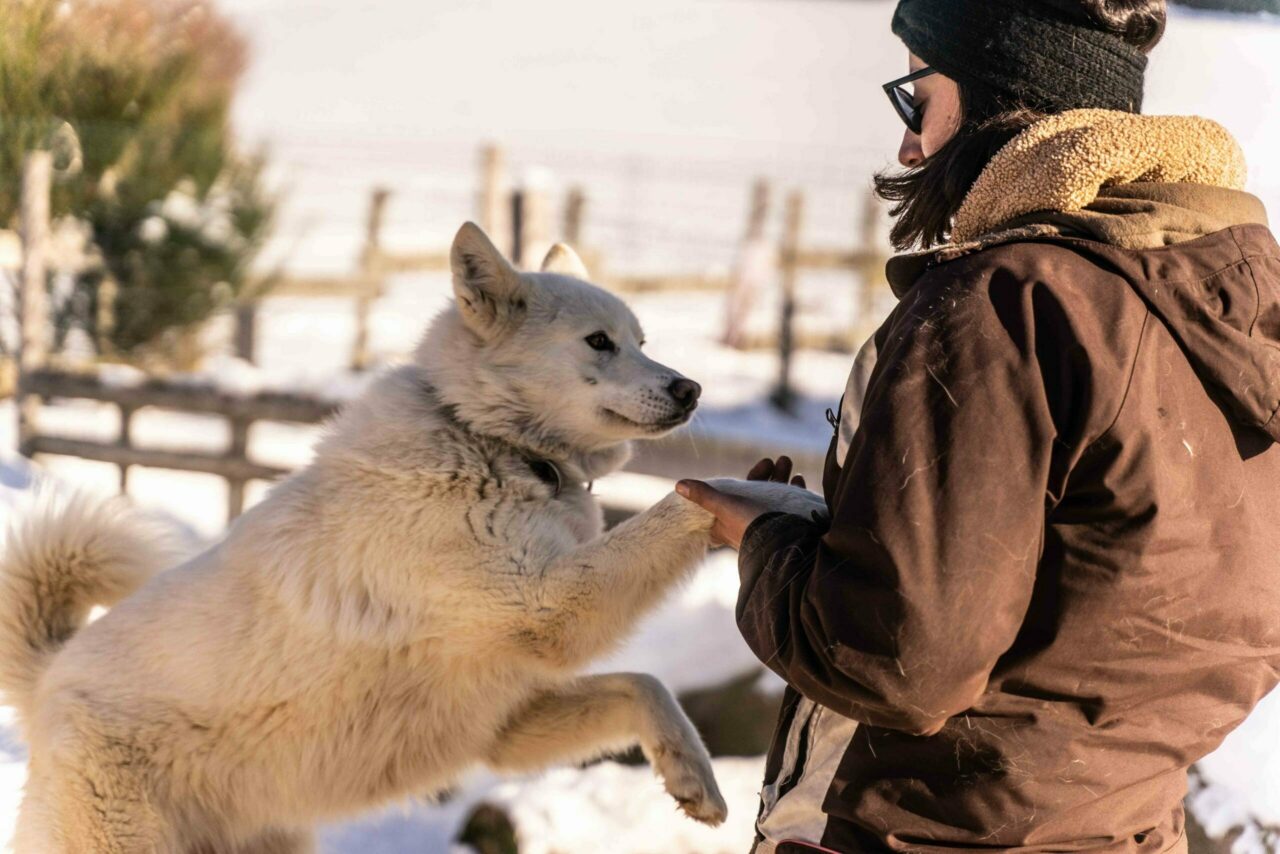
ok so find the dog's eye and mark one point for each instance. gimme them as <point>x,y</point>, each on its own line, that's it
<point>602,342</point>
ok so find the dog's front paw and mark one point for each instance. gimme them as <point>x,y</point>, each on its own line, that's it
<point>684,514</point>
<point>687,777</point>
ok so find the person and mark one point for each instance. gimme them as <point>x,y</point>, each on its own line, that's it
<point>1050,577</point>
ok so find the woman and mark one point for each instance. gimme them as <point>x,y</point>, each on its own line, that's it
<point>1050,579</point>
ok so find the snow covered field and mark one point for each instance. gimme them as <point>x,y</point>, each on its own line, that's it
<point>665,110</point>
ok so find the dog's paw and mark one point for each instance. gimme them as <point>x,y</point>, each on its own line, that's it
<point>684,514</point>
<point>688,778</point>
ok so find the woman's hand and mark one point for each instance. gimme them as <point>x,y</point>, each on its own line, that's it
<point>776,472</point>
<point>734,514</point>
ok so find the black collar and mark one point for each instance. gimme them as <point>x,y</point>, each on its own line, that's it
<point>549,473</point>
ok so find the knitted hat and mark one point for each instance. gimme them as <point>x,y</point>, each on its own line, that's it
<point>1024,53</point>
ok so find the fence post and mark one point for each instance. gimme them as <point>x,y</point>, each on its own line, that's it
<point>871,270</point>
<point>751,267</point>
<point>238,449</point>
<point>246,332</point>
<point>530,225</point>
<point>370,263</point>
<point>105,320</point>
<point>33,352</point>
<point>494,197</point>
<point>783,396</point>
<point>126,441</point>
<point>574,212</point>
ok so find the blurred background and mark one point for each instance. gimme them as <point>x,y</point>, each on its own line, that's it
<point>218,219</point>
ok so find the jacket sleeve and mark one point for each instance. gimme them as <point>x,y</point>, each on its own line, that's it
<point>896,614</point>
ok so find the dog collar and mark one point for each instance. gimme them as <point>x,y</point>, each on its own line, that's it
<point>550,474</point>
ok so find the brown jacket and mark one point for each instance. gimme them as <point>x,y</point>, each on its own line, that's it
<point>1051,577</point>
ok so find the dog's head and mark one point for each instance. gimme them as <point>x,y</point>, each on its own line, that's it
<point>549,352</point>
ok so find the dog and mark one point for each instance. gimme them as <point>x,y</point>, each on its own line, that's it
<point>423,597</point>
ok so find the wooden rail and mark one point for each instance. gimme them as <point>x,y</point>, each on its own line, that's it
<point>197,398</point>
<point>241,411</point>
<point>680,455</point>
<point>37,383</point>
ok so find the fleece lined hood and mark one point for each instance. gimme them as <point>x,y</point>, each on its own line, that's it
<point>1063,163</point>
<point>1159,200</point>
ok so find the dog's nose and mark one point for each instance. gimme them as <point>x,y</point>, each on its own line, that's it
<point>686,392</point>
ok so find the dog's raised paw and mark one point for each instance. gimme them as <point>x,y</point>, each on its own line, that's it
<point>691,782</point>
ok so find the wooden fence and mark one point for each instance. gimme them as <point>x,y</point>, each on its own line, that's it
<point>39,381</point>
<point>520,220</point>
<point>234,465</point>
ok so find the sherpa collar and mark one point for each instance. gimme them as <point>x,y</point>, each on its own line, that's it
<point>1129,180</point>
<point>1062,163</point>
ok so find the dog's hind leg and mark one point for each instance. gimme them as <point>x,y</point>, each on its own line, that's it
<point>76,814</point>
<point>594,715</point>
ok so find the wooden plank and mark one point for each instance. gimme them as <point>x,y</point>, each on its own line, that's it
<point>685,283</point>
<point>125,441</point>
<point>492,205</point>
<point>530,227</point>
<point>749,268</point>
<point>783,397</point>
<point>575,207</point>
<point>34,327</point>
<point>246,331</point>
<point>239,450</point>
<point>227,467</point>
<point>382,262</point>
<point>196,398</point>
<point>829,341</point>
<point>327,286</point>
<point>833,259</point>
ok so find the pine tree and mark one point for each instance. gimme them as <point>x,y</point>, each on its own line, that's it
<point>134,97</point>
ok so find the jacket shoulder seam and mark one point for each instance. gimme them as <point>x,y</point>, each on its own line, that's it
<point>1253,276</point>
<point>1133,372</point>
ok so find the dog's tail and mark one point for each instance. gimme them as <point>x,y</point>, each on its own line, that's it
<point>58,563</point>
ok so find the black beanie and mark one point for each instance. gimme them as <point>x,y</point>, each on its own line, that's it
<point>1021,53</point>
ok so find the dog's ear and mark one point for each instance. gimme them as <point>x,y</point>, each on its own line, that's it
<point>565,262</point>
<point>490,293</point>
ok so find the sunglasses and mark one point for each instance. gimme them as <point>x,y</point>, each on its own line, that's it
<point>904,101</point>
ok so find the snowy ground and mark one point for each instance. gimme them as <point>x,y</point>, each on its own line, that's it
<point>665,110</point>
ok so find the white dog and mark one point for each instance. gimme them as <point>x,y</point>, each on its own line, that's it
<point>421,598</point>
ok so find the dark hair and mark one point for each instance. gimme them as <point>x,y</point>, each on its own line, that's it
<point>926,197</point>
<point>1141,23</point>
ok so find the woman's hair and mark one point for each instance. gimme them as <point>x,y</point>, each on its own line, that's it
<point>1141,23</point>
<point>926,197</point>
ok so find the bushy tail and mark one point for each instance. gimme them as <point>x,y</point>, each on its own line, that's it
<point>58,563</point>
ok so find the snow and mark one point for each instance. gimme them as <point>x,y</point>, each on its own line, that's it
<point>606,807</point>
<point>692,642</point>
<point>1245,771</point>
<point>665,111</point>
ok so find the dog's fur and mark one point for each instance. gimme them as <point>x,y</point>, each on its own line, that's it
<point>421,598</point>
